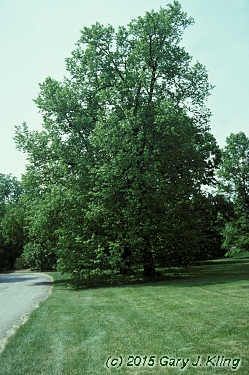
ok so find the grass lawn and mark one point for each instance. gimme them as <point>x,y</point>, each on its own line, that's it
<point>201,315</point>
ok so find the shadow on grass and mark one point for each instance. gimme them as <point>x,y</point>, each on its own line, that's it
<point>213,272</point>
<point>63,282</point>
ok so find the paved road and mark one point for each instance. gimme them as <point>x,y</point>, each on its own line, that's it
<point>20,294</point>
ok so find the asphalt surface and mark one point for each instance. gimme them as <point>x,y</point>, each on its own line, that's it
<point>20,294</point>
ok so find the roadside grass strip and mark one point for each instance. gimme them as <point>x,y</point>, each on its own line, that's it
<point>193,323</point>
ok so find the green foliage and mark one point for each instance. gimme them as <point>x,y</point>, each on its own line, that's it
<point>234,172</point>
<point>234,183</point>
<point>13,224</point>
<point>10,189</point>
<point>39,256</point>
<point>212,211</point>
<point>125,149</point>
<point>11,247</point>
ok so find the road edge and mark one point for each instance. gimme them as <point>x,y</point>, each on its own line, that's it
<point>23,319</point>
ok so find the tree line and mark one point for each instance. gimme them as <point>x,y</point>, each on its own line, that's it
<point>117,179</point>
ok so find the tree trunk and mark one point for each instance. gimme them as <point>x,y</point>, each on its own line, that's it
<point>126,256</point>
<point>149,267</point>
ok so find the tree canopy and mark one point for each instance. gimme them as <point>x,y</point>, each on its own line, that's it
<point>114,177</point>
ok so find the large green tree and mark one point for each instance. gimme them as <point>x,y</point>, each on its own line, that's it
<point>127,137</point>
<point>234,184</point>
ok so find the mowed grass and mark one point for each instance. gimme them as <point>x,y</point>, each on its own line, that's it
<point>203,312</point>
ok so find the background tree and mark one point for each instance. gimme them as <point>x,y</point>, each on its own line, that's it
<point>10,192</point>
<point>127,137</point>
<point>234,184</point>
<point>213,212</point>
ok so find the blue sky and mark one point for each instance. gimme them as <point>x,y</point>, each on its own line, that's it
<point>37,35</point>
